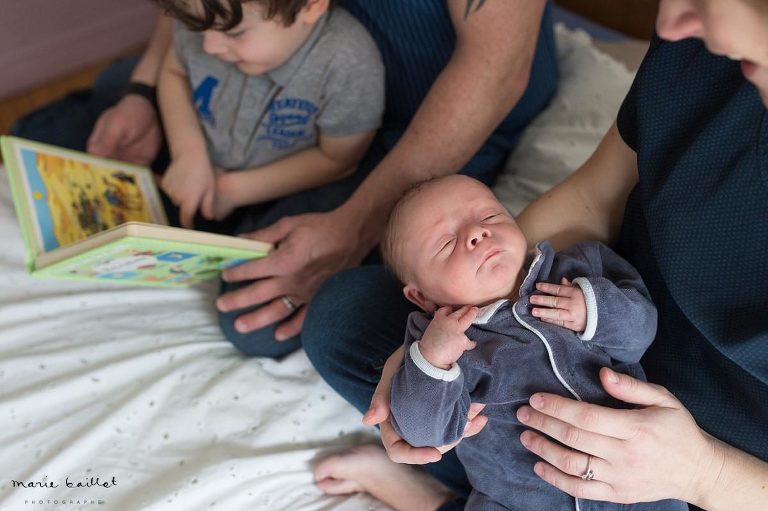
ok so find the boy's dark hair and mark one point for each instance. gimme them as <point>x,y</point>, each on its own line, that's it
<point>227,14</point>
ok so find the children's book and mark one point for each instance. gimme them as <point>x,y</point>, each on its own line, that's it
<point>84,217</point>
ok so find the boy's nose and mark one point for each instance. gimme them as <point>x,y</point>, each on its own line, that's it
<point>213,42</point>
<point>679,19</point>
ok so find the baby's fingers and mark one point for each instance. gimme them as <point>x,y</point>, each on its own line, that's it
<point>465,316</point>
<point>566,289</point>
<point>555,302</point>
<point>557,316</point>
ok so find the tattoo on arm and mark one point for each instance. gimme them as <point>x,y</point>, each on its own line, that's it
<point>473,6</point>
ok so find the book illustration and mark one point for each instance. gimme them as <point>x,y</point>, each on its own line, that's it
<point>84,217</point>
<point>152,266</point>
<point>74,199</point>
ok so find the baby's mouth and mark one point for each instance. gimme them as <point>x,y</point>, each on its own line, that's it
<point>490,254</point>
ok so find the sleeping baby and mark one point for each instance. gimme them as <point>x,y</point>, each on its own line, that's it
<point>500,324</point>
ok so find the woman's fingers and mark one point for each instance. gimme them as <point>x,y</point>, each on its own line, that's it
<point>574,486</point>
<point>569,461</point>
<point>570,435</point>
<point>588,417</point>
<point>631,390</point>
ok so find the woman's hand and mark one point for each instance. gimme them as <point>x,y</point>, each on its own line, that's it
<point>398,449</point>
<point>650,453</point>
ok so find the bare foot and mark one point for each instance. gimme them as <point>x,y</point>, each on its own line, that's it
<point>367,468</point>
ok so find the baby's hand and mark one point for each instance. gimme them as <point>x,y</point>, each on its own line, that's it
<point>444,340</point>
<point>563,305</point>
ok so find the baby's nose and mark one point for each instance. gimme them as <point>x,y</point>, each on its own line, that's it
<point>477,236</point>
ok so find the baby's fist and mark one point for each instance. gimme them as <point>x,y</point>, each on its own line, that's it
<point>444,340</point>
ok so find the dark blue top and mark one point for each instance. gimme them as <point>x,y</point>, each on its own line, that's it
<point>696,227</point>
<point>416,39</point>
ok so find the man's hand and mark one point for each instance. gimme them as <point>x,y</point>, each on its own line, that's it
<point>190,184</point>
<point>398,449</point>
<point>444,340</point>
<point>309,249</point>
<point>562,305</point>
<point>129,131</point>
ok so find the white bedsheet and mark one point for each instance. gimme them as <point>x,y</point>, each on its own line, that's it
<point>139,385</point>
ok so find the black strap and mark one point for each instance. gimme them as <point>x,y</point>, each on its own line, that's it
<point>145,91</point>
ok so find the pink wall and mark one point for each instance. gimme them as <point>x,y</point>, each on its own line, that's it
<point>45,39</point>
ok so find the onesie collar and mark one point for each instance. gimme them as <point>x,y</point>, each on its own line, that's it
<point>486,313</point>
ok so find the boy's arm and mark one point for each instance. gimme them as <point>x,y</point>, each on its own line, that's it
<point>332,159</point>
<point>189,180</point>
<point>621,317</point>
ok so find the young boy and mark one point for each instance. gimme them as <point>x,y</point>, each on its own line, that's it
<point>504,327</point>
<point>264,98</point>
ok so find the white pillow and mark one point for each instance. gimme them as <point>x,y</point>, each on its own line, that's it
<point>592,87</point>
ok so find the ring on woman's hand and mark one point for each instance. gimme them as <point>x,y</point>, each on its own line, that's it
<point>288,303</point>
<point>588,474</point>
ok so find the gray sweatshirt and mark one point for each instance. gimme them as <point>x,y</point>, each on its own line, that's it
<point>517,355</point>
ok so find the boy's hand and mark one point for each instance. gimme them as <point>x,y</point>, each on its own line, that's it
<point>444,340</point>
<point>191,185</point>
<point>563,305</point>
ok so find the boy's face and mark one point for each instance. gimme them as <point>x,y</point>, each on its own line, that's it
<point>459,245</point>
<point>257,46</point>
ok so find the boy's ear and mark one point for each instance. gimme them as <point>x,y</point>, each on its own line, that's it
<point>313,10</point>
<point>416,297</point>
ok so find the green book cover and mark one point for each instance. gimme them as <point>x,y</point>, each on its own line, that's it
<point>85,217</point>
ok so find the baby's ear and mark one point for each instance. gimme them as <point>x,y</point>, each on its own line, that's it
<point>416,297</point>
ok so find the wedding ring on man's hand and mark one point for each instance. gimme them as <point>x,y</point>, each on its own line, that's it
<point>588,474</point>
<point>288,303</point>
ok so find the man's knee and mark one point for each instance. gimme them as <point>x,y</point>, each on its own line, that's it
<point>259,343</point>
<point>324,330</point>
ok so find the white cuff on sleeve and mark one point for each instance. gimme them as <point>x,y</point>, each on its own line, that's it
<point>430,370</point>
<point>591,301</point>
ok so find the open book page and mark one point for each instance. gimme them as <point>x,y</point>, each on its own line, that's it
<point>65,196</point>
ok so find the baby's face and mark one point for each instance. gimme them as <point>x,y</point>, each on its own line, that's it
<point>459,245</point>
